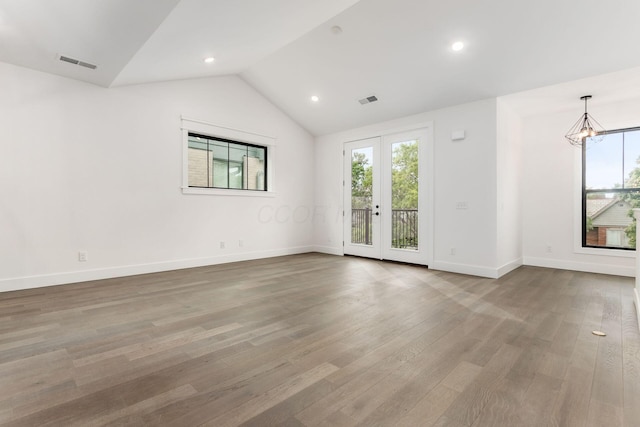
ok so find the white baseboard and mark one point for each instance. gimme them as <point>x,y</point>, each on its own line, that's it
<point>329,250</point>
<point>473,270</point>
<point>615,270</point>
<point>509,267</point>
<point>636,300</point>
<point>39,281</point>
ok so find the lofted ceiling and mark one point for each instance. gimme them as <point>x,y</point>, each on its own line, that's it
<point>398,50</point>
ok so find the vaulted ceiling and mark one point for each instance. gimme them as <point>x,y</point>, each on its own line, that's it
<point>398,50</point>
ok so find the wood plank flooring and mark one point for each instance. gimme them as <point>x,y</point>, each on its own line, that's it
<point>319,340</point>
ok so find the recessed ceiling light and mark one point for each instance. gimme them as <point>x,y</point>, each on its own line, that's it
<point>209,60</point>
<point>315,98</point>
<point>457,46</point>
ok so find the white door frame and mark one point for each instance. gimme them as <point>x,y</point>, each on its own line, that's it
<point>424,133</point>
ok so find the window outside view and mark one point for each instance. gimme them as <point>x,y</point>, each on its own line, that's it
<point>215,163</point>
<point>361,195</point>
<point>611,189</point>
<point>404,195</point>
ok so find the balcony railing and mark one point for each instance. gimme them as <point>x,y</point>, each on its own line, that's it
<point>404,227</point>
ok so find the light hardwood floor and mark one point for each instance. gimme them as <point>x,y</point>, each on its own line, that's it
<point>319,340</point>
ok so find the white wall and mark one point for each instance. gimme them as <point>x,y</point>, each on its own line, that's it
<point>465,171</point>
<point>551,192</point>
<point>509,180</point>
<point>84,168</point>
<point>94,169</point>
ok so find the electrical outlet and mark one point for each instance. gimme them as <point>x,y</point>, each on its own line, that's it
<point>549,249</point>
<point>221,245</point>
<point>453,251</point>
<point>240,243</point>
<point>83,256</point>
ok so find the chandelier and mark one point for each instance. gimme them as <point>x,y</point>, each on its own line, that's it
<point>585,127</point>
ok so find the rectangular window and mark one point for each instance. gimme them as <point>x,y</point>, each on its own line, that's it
<point>611,189</point>
<point>222,163</point>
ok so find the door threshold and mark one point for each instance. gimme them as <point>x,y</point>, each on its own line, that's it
<point>389,260</point>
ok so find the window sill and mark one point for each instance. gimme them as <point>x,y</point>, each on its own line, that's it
<point>606,252</point>
<point>226,192</point>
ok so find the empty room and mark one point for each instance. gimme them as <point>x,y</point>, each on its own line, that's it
<point>319,213</point>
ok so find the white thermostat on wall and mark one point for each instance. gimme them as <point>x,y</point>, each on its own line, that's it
<point>457,135</point>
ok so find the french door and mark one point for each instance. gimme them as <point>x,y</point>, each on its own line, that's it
<point>386,194</point>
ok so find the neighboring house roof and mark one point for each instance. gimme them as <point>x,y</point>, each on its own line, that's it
<point>595,206</point>
<point>609,212</point>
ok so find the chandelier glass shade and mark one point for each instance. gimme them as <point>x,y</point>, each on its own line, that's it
<point>585,127</point>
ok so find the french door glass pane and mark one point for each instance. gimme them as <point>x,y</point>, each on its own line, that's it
<point>361,195</point>
<point>404,195</point>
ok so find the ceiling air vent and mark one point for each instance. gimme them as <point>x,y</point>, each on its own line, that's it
<point>77,62</point>
<point>368,100</point>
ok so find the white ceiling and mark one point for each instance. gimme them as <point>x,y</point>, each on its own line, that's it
<point>398,50</point>
<point>610,88</point>
<point>238,33</point>
<point>108,33</point>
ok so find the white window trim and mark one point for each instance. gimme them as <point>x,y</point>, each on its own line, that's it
<point>577,217</point>
<point>199,126</point>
